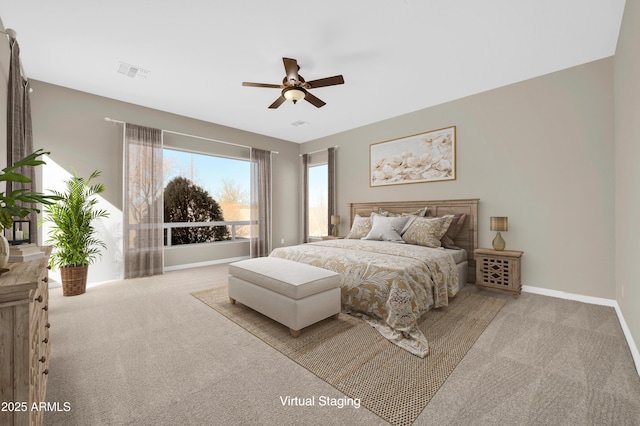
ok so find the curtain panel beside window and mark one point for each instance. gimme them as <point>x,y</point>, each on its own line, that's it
<point>143,210</point>
<point>331,187</point>
<point>305,198</point>
<point>260,203</point>
<point>19,130</point>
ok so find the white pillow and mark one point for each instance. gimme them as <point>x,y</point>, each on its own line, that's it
<point>387,228</point>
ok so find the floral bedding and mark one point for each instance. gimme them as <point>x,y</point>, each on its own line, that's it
<point>390,285</point>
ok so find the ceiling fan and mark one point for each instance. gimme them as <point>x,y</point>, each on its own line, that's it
<point>295,88</point>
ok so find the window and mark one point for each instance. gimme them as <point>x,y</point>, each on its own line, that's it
<point>218,189</point>
<point>318,196</point>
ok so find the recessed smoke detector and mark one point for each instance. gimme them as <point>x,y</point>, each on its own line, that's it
<point>132,71</point>
<point>299,123</point>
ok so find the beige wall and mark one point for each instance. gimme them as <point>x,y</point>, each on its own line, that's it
<point>627,167</point>
<point>71,125</point>
<point>539,152</point>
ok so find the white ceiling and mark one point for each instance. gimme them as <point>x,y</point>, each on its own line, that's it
<point>396,56</point>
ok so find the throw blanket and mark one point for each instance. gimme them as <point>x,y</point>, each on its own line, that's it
<point>390,285</point>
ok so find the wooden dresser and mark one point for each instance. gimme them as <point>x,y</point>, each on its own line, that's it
<point>24,341</point>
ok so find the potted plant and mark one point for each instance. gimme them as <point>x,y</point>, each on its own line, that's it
<point>72,234</point>
<point>11,205</point>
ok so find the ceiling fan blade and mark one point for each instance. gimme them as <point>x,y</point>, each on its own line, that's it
<point>291,67</point>
<point>323,82</point>
<point>277,102</point>
<point>314,101</point>
<point>271,86</point>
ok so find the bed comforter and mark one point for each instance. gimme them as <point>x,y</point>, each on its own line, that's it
<point>390,285</point>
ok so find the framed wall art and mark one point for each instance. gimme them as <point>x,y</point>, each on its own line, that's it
<point>425,157</point>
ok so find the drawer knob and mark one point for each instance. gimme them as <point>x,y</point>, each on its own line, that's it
<point>49,267</point>
<point>48,325</point>
<point>46,308</point>
<point>45,279</point>
<point>45,340</point>
<point>46,371</point>
<point>38,299</point>
<point>43,359</point>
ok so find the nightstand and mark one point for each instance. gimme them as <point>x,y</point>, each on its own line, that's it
<point>331,237</point>
<point>499,270</point>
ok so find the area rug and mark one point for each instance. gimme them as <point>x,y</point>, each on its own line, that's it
<point>354,358</point>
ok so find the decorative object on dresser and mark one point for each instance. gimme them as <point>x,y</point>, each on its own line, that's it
<point>12,202</point>
<point>24,252</point>
<point>335,221</point>
<point>72,233</point>
<point>20,232</point>
<point>499,224</point>
<point>24,339</point>
<point>425,157</point>
<point>499,269</point>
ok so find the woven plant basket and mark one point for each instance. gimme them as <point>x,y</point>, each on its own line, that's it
<point>74,280</point>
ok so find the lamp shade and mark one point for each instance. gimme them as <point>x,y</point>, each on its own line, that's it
<point>335,219</point>
<point>499,223</point>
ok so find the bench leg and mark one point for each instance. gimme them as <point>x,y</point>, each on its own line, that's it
<point>232,300</point>
<point>295,333</point>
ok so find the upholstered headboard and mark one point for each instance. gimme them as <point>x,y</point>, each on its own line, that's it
<point>466,239</point>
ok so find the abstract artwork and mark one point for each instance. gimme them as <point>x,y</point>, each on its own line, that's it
<point>425,157</point>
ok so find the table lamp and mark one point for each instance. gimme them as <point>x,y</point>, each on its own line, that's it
<point>499,224</point>
<point>335,221</point>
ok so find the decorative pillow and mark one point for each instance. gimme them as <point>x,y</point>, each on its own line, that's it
<point>360,228</point>
<point>447,239</point>
<point>427,231</point>
<point>386,228</point>
<point>419,212</point>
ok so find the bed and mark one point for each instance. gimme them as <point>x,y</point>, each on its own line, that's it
<point>392,285</point>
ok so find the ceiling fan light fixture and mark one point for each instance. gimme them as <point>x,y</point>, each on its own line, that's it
<point>294,94</point>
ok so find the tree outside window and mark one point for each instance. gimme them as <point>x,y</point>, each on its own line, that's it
<point>201,188</point>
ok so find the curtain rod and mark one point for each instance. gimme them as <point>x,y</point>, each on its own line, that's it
<point>317,151</point>
<point>111,120</point>
<point>12,34</point>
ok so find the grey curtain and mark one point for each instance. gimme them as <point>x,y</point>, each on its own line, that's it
<point>305,198</point>
<point>331,187</point>
<point>19,130</point>
<point>260,203</point>
<point>143,211</point>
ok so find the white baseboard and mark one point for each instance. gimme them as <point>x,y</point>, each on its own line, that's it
<point>207,263</point>
<point>595,301</point>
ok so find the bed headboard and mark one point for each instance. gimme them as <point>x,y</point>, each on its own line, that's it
<point>466,239</point>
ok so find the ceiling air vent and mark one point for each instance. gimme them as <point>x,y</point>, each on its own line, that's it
<point>299,123</point>
<point>132,71</point>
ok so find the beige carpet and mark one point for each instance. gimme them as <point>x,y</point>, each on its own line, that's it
<point>354,358</point>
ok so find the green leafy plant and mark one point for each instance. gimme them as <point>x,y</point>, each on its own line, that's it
<point>72,233</point>
<point>10,205</point>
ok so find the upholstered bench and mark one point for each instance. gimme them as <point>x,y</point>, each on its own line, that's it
<point>294,294</point>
